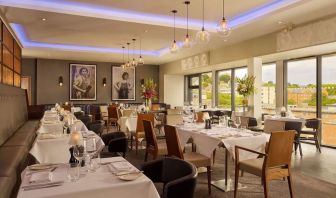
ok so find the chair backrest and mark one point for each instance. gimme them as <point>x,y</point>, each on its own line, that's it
<point>151,141</point>
<point>172,140</point>
<point>218,113</point>
<point>244,121</point>
<point>155,107</point>
<point>97,126</point>
<point>273,125</point>
<point>127,112</point>
<point>200,116</point>
<point>103,112</point>
<point>174,111</point>
<point>293,125</point>
<point>141,117</point>
<point>313,123</point>
<point>86,119</point>
<point>227,113</point>
<point>66,107</point>
<point>112,112</point>
<point>280,149</point>
<point>174,119</point>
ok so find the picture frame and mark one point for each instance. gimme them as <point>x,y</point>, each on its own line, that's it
<point>123,83</point>
<point>83,82</point>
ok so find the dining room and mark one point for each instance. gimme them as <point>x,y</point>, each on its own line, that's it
<point>170,98</point>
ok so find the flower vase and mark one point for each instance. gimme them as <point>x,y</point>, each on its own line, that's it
<point>245,105</point>
<point>148,104</point>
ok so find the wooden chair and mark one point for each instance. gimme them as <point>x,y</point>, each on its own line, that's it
<point>199,116</point>
<point>297,127</point>
<point>174,149</point>
<point>275,163</point>
<point>153,147</point>
<point>312,131</point>
<point>139,133</point>
<point>155,107</point>
<point>66,107</point>
<point>112,117</point>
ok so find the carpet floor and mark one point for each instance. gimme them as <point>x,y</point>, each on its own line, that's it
<point>304,186</point>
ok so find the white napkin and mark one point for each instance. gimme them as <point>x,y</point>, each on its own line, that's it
<point>116,167</point>
<point>40,177</point>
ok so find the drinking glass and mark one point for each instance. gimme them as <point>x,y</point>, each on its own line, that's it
<point>91,149</point>
<point>237,122</point>
<point>73,172</point>
<point>78,153</point>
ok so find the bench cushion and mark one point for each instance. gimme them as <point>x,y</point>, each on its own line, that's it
<point>24,136</point>
<point>12,159</point>
<point>6,185</point>
<point>29,126</point>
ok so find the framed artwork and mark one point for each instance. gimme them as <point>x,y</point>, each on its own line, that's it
<point>83,80</point>
<point>123,83</point>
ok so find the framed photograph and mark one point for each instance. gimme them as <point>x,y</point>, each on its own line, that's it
<point>123,83</point>
<point>83,82</point>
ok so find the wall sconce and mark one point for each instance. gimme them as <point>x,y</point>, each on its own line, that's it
<point>104,82</point>
<point>60,81</point>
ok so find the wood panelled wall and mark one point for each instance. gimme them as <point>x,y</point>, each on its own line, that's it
<point>10,57</point>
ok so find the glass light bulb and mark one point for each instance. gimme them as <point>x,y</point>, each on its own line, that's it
<point>203,36</point>
<point>134,63</point>
<point>223,29</point>
<point>187,42</point>
<point>141,61</point>
<point>174,48</point>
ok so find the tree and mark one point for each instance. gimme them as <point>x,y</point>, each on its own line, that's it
<point>225,78</point>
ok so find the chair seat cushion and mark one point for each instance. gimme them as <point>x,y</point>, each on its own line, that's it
<point>12,159</point>
<point>197,159</point>
<point>308,131</point>
<point>6,185</point>
<point>253,166</point>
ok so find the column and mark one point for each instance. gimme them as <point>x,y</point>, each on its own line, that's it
<point>279,87</point>
<point>254,68</point>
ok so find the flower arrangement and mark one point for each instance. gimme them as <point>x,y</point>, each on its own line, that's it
<point>148,89</point>
<point>245,87</point>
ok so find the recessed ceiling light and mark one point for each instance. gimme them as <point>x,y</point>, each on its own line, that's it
<point>44,19</point>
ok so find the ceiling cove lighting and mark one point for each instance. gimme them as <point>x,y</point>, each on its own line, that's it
<point>187,41</point>
<point>223,28</point>
<point>174,48</point>
<point>94,11</point>
<point>203,36</point>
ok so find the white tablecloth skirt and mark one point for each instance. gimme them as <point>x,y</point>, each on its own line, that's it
<point>127,124</point>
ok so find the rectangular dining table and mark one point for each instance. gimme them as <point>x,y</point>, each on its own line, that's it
<point>207,140</point>
<point>99,184</point>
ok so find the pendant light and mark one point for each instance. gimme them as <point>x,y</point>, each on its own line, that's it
<point>187,42</point>
<point>134,62</point>
<point>222,28</point>
<point>141,60</point>
<point>174,48</point>
<point>128,64</point>
<point>123,65</point>
<point>203,36</point>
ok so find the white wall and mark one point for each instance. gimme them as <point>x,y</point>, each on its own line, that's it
<point>173,90</point>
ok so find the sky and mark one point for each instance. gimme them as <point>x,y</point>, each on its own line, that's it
<point>303,72</point>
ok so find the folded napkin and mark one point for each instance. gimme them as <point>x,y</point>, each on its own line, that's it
<point>116,167</point>
<point>50,122</point>
<point>41,177</point>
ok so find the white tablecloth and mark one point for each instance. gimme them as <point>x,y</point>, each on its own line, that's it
<point>56,149</point>
<point>293,119</point>
<point>75,109</point>
<point>127,124</point>
<point>57,127</point>
<point>100,184</point>
<point>207,140</point>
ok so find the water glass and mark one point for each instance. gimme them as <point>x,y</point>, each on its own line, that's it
<point>94,163</point>
<point>237,122</point>
<point>73,172</point>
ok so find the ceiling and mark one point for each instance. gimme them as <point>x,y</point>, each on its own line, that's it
<point>95,30</point>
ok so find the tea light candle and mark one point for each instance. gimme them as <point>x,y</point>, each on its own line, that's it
<point>75,138</point>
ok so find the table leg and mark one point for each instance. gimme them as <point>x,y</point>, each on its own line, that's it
<point>226,184</point>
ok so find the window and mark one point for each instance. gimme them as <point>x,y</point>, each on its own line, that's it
<point>224,89</point>
<point>193,90</point>
<point>206,89</point>
<point>301,87</point>
<point>239,73</point>
<point>268,93</point>
<point>329,100</point>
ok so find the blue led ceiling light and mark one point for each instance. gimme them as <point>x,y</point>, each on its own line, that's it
<point>89,10</point>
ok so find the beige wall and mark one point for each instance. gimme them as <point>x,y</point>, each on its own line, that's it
<point>174,90</point>
<point>48,71</point>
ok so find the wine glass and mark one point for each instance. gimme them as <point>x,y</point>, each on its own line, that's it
<point>78,153</point>
<point>237,122</point>
<point>91,149</point>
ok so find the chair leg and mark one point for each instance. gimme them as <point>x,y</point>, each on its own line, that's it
<point>209,179</point>
<point>290,186</point>
<point>265,183</point>
<point>242,173</point>
<point>131,142</point>
<point>146,156</point>
<point>317,143</point>
<point>236,181</point>
<point>214,157</point>
<point>300,148</point>
<point>136,145</point>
